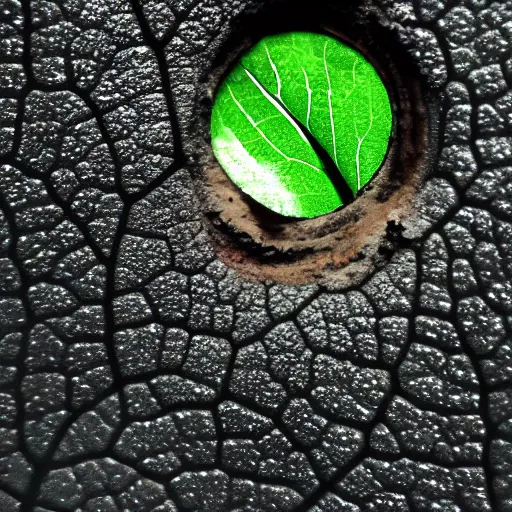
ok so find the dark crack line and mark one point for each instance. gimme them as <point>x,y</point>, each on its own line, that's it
<point>119,382</point>
<point>380,415</point>
<point>158,50</point>
<point>67,210</point>
<point>29,502</point>
<point>491,431</point>
<point>27,327</point>
<point>42,467</point>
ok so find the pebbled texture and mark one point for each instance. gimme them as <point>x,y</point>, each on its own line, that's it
<point>139,373</point>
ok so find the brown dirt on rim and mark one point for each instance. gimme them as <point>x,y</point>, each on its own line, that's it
<point>337,250</point>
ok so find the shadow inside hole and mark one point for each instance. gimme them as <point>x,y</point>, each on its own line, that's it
<point>308,250</point>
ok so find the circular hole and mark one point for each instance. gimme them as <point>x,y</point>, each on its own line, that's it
<point>336,249</point>
<point>301,124</point>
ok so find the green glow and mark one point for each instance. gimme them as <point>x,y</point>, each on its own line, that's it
<point>287,90</point>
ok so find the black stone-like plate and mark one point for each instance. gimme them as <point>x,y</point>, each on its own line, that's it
<point>141,372</point>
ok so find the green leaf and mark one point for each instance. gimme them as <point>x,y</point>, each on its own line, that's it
<point>301,124</point>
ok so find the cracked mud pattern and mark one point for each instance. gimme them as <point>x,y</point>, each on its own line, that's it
<point>139,373</point>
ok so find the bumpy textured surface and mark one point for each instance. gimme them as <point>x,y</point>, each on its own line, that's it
<point>139,373</point>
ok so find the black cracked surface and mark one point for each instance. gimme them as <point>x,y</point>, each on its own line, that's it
<point>139,373</point>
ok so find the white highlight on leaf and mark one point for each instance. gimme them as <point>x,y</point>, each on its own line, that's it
<point>264,137</point>
<point>278,106</point>
<point>276,73</point>
<point>329,97</point>
<point>259,180</point>
<point>310,93</point>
